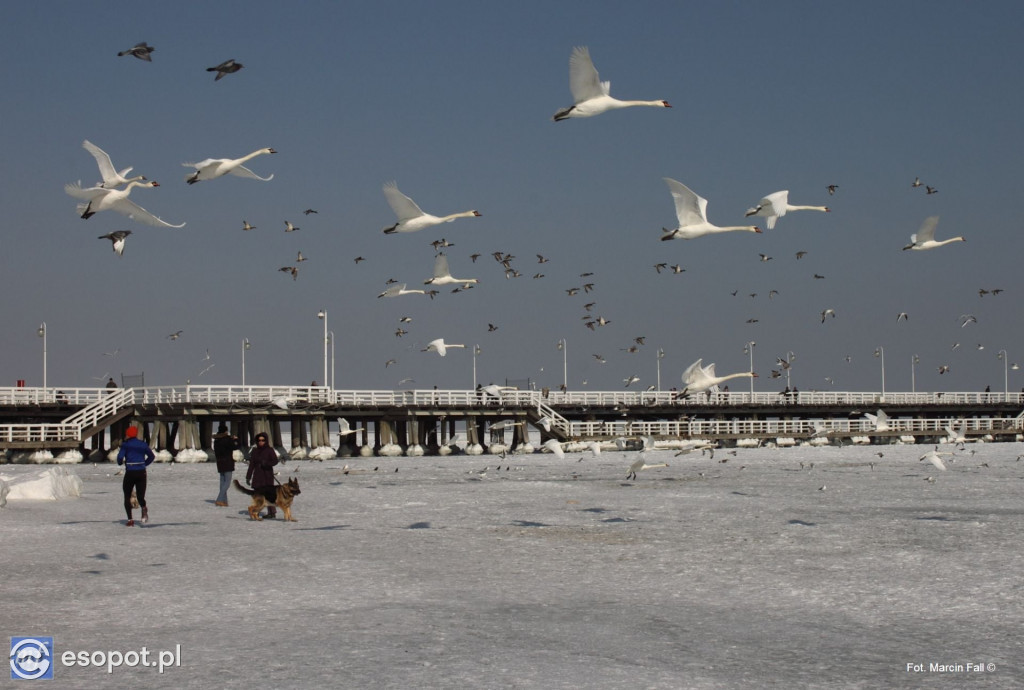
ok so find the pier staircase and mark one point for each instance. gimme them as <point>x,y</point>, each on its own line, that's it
<point>547,420</point>
<point>72,431</point>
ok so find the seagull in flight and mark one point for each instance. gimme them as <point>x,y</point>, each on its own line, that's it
<point>140,51</point>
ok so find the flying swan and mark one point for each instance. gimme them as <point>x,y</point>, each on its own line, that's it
<point>925,237</point>
<point>590,94</point>
<point>102,199</point>
<point>410,217</point>
<point>111,177</point>
<point>439,346</point>
<point>698,378</point>
<point>692,213</point>
<point>776,205</point>
<point>212,168</point>
<point>443,275</point>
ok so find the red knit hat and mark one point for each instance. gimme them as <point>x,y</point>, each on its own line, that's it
<point>132,432</point>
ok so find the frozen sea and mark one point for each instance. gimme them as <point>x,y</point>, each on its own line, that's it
<point>744,570</point>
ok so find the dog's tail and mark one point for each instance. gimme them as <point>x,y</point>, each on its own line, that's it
<point>243,489</point>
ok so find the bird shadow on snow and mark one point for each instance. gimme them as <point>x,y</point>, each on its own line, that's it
<point>528,523</point>
<point>322,529</point>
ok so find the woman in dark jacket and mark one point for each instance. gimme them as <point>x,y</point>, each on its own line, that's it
<point>260,474</point>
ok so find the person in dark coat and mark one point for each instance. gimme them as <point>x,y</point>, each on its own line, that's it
<point>260,475</point>
<point>224,447</point>
<point>136,456</point>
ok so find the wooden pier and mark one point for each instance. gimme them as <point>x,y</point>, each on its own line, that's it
<point>416,422</point>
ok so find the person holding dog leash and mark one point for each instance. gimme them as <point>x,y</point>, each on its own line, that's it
<point>260,475</point>
<point>136,456</point>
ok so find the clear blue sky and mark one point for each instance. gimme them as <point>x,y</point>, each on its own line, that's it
<point>454,101</point>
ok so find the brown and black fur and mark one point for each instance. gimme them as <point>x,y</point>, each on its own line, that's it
<point>278,496</point>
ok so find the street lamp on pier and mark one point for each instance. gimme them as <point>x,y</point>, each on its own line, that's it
<point>914,359</point>
<point>246,345</point>
<point>322,315</point>
<point>661,355</point>
<point>1006,375</point>
<point>880,353</point>
<point>748,349</point>
<point>565,364</point>
<point>41,332</point>
<point>476,351</point>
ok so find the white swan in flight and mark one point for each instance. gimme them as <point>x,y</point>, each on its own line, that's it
<point>590,94</point>
<point>698,378</point>
<point>443,275</point>
<point>934,457</point>
<point>880,420</point>
<point>692,213</point>
<point>398,290</point>
<point>925,237</point>
<point>641,464</point>
<point>553,446</point>
<point>111,177</point>
<point>439,346</point>
<point>102,199</point>
<point>344,429</point>
<point>776,205</point>
<point>212,168</point>
<point>410,217</point>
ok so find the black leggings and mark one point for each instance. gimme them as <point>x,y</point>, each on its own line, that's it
<point>134,479</point>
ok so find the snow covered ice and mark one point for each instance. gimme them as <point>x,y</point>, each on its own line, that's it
<point>531,571</point>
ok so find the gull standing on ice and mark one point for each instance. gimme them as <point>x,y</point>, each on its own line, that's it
<point>590,95</point>
<point>212,168</point>
<point>925,237</point>
<point>410,217</point>
<point>691,211</point>
<point>102,199</point>
<point>776,205</point>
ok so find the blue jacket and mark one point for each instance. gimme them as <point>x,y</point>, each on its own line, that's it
<point>135,454</point>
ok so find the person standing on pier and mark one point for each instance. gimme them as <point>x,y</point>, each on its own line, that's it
<point>260,475</point>
<point>224,447</point>
<point>136,456</point>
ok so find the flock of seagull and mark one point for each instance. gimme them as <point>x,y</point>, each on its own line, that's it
<point>591,97</point>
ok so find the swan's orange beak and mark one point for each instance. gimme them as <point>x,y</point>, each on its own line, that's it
<point>665,103</point>
<point>757,229</point>
<point>155,183</point>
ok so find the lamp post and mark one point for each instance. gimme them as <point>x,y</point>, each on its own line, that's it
<point>322,315</point>
<point>1006,375</point>
<point>41,332</point>
<point>789,365</point>
<point>880,353</point>
<point>246,345</point>
<point>565,364</point>
<point>748,349</point>
<point>661,355</point>
<point>476,351</point>
<point>914,359</point>
<point>332,360</point>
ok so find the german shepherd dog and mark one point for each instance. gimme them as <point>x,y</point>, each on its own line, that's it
<point>278,496</point>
